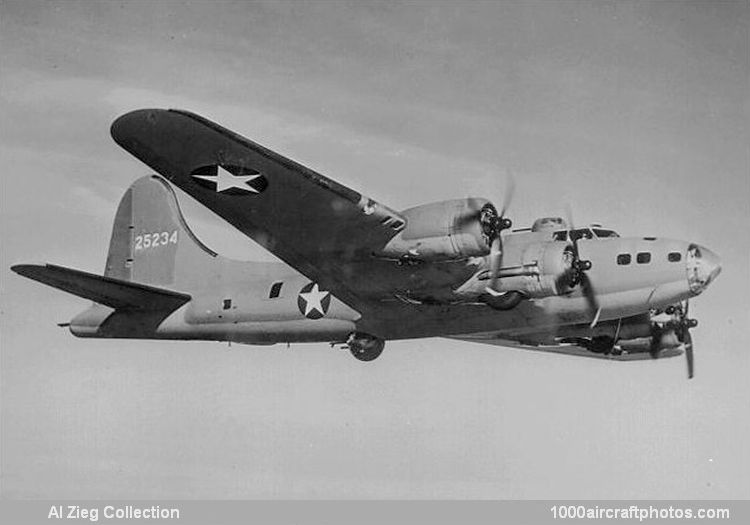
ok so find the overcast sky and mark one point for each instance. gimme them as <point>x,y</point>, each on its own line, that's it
<point>634,113</point>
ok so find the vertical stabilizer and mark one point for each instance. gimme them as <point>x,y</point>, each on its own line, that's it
<point>151,243</point>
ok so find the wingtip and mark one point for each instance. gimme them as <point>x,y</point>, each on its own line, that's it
<point>24,269</point>
<point>123,126</point>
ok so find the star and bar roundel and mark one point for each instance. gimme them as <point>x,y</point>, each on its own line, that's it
<point>230,180</point>
<point>313,302</point>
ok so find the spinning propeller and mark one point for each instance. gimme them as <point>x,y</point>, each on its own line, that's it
<point>681,324</point>
<point>576,274</point>
<point>492,226</point>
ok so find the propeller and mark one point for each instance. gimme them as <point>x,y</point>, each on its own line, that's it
<point>495,226</point>
<point>682,330</point>
<point>681,324</point>
<point>576,274</point>
<point>688,341</point>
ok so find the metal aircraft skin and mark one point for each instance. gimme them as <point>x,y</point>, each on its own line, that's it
<point>358,273</point>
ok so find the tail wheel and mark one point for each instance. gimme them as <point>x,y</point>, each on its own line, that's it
<point>365,347</point>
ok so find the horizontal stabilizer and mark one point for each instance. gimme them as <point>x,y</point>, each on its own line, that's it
<point>114,293</point>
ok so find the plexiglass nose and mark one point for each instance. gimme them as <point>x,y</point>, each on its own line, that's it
<point>703,266</point>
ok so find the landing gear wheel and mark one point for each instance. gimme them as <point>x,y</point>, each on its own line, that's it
<point>602,344</point>
<point>365,347</point>
<point>505,301</point>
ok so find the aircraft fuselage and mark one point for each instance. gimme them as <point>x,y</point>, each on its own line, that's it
<point>267,303</point>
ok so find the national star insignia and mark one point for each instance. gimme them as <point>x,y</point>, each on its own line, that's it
<point>225,180</point>
<point>314,302</point>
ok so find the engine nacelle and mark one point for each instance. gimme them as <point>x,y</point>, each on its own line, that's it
<point>649,332</point>
<point>442,231</point>
<point>534,269</point>
<point>531,269</point>
<point>663,340</point>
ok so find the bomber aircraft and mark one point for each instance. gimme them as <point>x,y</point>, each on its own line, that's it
<point>355,272</point>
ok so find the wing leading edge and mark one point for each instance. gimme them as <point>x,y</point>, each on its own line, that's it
<point>323,229</point>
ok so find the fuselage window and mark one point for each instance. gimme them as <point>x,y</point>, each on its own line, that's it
<point>227,304</point>
<point>623,259</point>
<point>674,257</point>
<point>275,290</point>
<point>643,258</point>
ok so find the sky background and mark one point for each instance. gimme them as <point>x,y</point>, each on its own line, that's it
<point>633,113</point>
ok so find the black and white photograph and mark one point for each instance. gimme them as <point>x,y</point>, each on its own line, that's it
<point>374,251</point>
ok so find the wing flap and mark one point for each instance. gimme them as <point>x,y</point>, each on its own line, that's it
<point>108,291</point>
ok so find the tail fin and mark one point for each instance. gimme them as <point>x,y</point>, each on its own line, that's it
<point>151,243</point>
<point>153,260</point>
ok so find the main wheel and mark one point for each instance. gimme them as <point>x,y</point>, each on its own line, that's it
<point>506,301</point>
<point>602,344</point>
<point>365,347</point>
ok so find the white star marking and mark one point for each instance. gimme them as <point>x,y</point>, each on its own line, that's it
<point>226,181</point>
<point>313,299</point>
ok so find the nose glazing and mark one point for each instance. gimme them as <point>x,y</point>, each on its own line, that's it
<point>703,266</point>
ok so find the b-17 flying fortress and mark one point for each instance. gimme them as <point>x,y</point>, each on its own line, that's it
<point>357,273</point>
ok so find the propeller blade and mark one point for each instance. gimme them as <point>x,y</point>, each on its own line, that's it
<point>569,216</point>
<point>654,351</point>
<point>496,256</point>
<point>689,353</point>
<point>563,282</point>
<point>501,222</point>
<point>586,287</point>
<point>468,218</point>
<point>590,294</point>
<point>571,227</point>
<point>510,189</point>
<point>475,215</point>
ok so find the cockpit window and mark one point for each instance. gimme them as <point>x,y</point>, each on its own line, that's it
<point>604,233</point>
<point>583,233</point>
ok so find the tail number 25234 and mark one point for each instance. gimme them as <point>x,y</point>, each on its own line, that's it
<point>152,240</point>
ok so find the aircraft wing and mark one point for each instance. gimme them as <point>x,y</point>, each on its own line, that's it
<point>114,293</point>
<point>323,229</point>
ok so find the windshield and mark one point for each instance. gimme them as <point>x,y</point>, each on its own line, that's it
<point>604,233</point>
<point>583,233</point>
